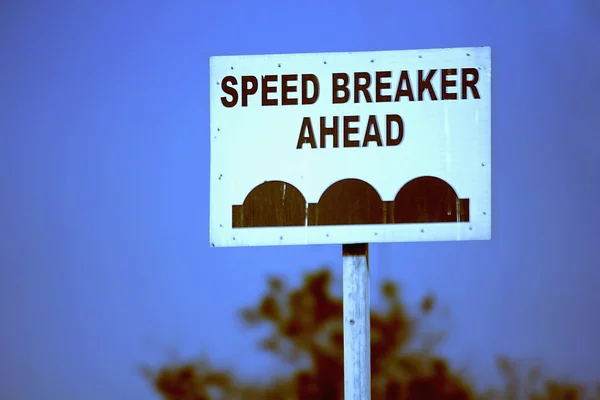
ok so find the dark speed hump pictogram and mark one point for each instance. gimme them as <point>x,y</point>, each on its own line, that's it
<point>350,202</point>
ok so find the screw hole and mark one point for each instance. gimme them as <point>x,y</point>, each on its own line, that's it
<point>279,65</point>
<point>422,230</point>
<point>351,322</point>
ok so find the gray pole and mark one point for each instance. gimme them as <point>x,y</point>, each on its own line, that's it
<point>357,323</point>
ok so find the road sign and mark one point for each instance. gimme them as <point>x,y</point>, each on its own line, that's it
<point>337,148</point>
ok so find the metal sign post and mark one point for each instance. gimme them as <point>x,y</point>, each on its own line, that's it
<point>351,148</point>
<point>357,322</point>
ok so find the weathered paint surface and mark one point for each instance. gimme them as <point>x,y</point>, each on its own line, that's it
<point>350,202</point>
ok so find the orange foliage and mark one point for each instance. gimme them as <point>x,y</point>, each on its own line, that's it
<point>307,326</point>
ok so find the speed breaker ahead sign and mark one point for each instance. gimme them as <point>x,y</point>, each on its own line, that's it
<point>364,147</point>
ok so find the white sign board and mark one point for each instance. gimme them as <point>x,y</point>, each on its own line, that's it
<point>365,147</point>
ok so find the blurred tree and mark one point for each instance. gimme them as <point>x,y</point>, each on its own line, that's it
<point>307,334</point>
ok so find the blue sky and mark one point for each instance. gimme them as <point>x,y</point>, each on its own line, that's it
<point>104,149</point>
